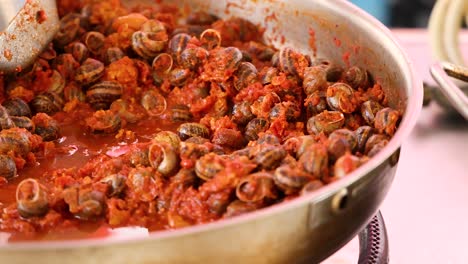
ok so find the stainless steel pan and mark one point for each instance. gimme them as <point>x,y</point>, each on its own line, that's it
<point>306,229</point>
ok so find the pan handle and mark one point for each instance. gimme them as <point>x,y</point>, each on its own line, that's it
<point>440,72</point>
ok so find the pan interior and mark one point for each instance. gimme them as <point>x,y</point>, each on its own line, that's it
<point>320,29</point>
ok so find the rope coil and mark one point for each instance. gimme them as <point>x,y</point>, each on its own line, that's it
<point>444,26</point>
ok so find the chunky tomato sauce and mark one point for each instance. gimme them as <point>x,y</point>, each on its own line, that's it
<point>131,119</point>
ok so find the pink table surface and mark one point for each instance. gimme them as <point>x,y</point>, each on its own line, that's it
<point>426,211</point>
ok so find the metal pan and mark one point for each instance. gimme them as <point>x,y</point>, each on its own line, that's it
<point>306,229</point>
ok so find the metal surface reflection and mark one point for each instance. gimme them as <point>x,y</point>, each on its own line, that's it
<point>8,10</point>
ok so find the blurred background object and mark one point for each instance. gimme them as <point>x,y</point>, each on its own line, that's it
<point>379,9</point>
<point>414,13</point>
<point>399,13</point>
<point>447,17</point>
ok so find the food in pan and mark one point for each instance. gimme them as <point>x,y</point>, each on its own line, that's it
<point>130,118</point>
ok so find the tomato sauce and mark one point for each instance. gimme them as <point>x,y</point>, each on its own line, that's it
<point>131,120</point>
